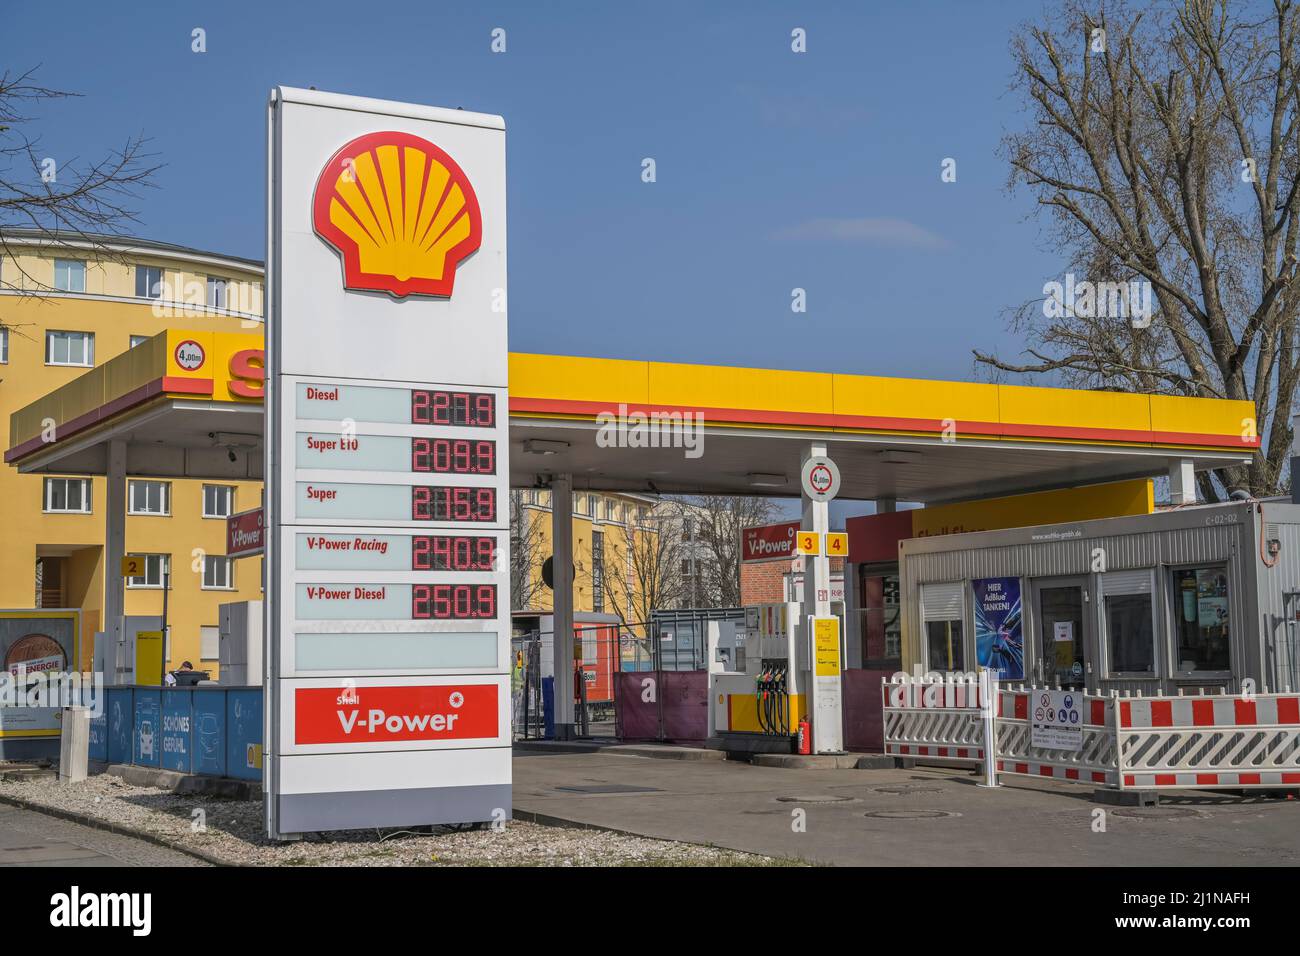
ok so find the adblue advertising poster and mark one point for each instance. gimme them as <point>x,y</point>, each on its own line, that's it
<point>999,633</point>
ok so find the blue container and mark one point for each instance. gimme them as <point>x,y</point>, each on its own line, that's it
<point>120,711</point>
<point>99,736</point>
<point>244,734</point>
<point>209,732</point>
<point>146,737</point>
<point>177,724</point>
<point>548,708</point>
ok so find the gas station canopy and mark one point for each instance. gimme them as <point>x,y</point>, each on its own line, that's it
<point>189,404</point>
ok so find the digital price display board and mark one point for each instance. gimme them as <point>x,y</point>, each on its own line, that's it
<point>441,504</point>
<point>453,503</point>
<point>450,407</point>
<point>446,552</point>
<point>325,551</point>
<point>443,407</point>
<point>437,601</point>
<point>453,602</point>
<point>325,451</point>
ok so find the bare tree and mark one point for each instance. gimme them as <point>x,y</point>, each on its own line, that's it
<point>642,572</point>
<point>89,201</point>
<point>526,543</point>
<point>1163,152</point>
<point>718,520</point>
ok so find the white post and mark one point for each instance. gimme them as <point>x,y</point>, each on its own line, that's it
<point>1182,482</point>
<point>823,693</point>
<point>562,602</point>
<point>989,713</point>
<point>114,551</point>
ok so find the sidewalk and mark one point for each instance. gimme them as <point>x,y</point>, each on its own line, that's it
<point>930,816</point>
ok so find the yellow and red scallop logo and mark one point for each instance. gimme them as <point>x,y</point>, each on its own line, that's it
<point>400,212</point>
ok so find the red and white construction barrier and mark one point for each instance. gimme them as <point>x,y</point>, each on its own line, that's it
<point>1147,743</point>
<point>1222,741</point>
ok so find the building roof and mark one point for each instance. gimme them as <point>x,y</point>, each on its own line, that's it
<point>26,236</point>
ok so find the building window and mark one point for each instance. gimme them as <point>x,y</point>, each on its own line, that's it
<point>209,642</point>
<point>139,340</point>
<point>942,613</point>
<point>218,501</point>
<point>70,275</point>
<point>149,498</point>
<point>1128,615</point>
<point>598,571</point>
<point>4,346</point>
<point>148,282</point>
<point>216,293</point>
<point>67,495</point>
<point>217,573</point>
<point>156,568</point>
<point>70,348</point>
<point>1201,619</point>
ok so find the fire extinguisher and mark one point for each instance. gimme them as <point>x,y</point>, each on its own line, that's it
<point>805,736</point>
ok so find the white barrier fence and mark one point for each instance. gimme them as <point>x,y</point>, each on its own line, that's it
<point>1143,743</point>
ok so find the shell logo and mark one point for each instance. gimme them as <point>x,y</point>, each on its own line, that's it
<point>400,212</point>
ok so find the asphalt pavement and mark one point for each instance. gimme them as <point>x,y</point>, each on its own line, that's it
<point>28,838</point>
<point>895,817</point>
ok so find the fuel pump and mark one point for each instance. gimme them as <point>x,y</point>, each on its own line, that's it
<point>758,708</point>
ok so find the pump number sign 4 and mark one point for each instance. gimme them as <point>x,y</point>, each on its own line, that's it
<point>387,606</point>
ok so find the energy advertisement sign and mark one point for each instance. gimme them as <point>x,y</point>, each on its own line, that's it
<point>388,534</point>
<point>999,627</point>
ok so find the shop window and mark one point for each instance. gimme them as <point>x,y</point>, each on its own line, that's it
<point>67,495</point>
<point>209,642</point>
<point>70,275</point>
<point>216,293</point>
<point>597,572</point>
<point>148,282</point>
<point>149,497</point>
<point>217,573</point>
<point>1128,616</point>
<point>155,572</point>
<point>70,348</point>
<point>218,501</point>
<point>881,621</point>
<point>1201,619</point>
<point>942,613</point>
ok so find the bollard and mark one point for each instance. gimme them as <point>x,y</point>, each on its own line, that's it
<point>989,713</point>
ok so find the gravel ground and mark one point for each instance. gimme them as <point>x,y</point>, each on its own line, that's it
<point>231,830</point>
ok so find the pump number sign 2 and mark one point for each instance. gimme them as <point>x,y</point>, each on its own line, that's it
<point>388,609</point>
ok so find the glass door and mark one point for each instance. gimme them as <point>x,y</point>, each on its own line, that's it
<point>1063,656</point>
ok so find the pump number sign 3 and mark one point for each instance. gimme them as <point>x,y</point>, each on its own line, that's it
<point>388,612</point>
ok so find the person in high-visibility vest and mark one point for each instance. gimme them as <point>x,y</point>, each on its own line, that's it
<point>517,692</point>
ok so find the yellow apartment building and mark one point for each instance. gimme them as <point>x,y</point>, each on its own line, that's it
<point>66,306</point>
<point>618,558</point>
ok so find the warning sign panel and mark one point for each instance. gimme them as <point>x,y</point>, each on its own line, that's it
<point>826,646</point>
<point>1056,720</point>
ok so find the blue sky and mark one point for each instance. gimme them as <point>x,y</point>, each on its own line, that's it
<point>775,170</point>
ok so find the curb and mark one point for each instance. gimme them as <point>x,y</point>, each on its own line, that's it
<point>652,751</point>
<point>807,761</point>
<point>95,823</point>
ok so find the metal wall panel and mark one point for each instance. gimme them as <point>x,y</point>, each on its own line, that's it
<point>1261,645</point>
